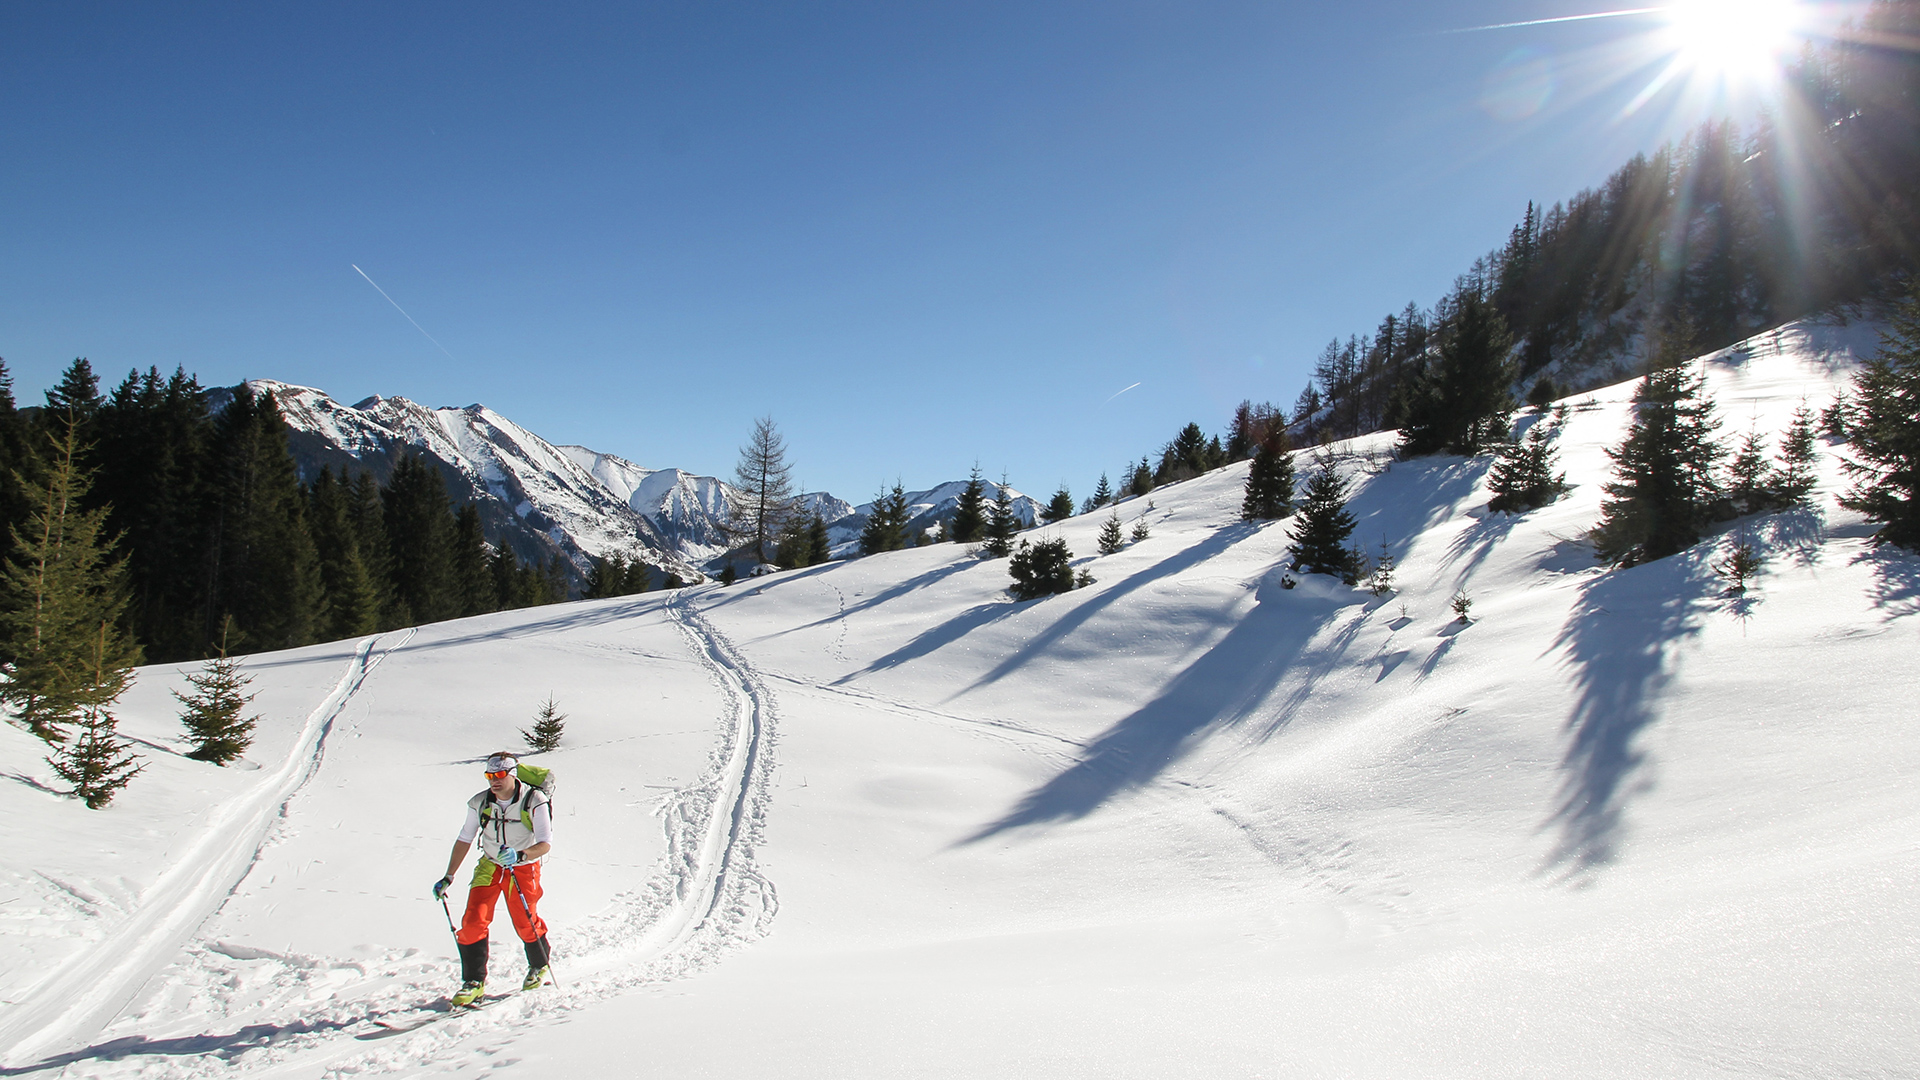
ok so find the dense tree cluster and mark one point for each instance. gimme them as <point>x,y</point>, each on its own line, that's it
<point>199,500</point>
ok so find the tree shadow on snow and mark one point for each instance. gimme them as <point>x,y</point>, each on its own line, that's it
<point>225,1047</point>
<point>1621,638</point>
<point>1225,686</point>
<point>1215,543</point>
<point>1896,581</point>
<point>935,637</point>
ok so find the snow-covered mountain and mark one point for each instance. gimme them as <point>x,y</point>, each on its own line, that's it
<point>538,498</point>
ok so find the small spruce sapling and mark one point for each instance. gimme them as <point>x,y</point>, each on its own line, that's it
<point>95,759</point>
<point>1738,568</point>
<point>1834,418</point>
<point>1111,539</point>
<point>549,725</point>
<point>1462,604</point>
<point>213,711</point>
<point>1380,582</point>
<point>1140,530</point>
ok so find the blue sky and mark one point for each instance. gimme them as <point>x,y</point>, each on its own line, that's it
<point>917,235</point>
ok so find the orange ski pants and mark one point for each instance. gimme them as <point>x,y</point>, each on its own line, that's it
<point>524,883</point>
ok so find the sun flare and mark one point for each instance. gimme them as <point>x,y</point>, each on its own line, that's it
<point>1732,40</point>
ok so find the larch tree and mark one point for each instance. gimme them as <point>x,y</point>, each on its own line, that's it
<point>762,495</point>
<point>65,593</point>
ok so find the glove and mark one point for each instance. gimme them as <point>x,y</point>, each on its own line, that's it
<point>507,858</point>
<point>440,888</point>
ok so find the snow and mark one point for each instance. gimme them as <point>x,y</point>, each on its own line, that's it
<point>874,819</point>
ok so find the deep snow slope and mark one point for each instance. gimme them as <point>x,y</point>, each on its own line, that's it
<point>875,819</point>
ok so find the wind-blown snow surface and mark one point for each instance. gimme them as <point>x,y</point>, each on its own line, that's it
<point>874,819</point>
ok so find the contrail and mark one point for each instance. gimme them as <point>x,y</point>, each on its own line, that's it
<point>1561,19</point>
<point>409,318</point>
<point>1117,393</point>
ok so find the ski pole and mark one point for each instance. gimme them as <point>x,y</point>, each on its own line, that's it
<point>449,914</point>
<point>513,883</point>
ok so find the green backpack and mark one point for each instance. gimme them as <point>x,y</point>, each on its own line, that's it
<point>532,778</point>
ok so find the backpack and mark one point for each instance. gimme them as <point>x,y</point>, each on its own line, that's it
<point>532,778</point>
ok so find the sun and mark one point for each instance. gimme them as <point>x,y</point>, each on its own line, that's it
<point>1731,41</point>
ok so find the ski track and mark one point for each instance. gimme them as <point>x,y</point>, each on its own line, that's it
<point>295,1016</point>
<point>79,998</point>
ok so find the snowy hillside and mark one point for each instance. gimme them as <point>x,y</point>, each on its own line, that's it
<point>874,819</point>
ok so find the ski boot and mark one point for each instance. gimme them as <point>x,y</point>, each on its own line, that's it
<point>470,994</point>
<point>536,978</point>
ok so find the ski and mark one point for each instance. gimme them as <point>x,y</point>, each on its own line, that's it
<point>420,1017</point>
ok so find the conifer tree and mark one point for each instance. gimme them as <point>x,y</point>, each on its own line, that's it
<point>352,600</point>
<point>419,528</point>
<point>1462,406</point>
<point>1751,483</point>
<point>969,521</point>
<point>1523,479</point>
<point>1797,456</point>
<point>549,724</point>
<point>1001,522</point>
<point>1060,507</point>
<point>366,508</point>
<point>1111,540</point>
<point>65,593</point>
<point>262,567</point>
<point>762,496</point>
<point>214,711</point>
<point>886,528</point>
<point>152,437</point>
<point>1041,569</point>
<point>1885,430</point>
<point>76,397</point>
<point>1663,472</point>
<point>1320,534</point>
<point>96,761</point>
<point>1102,493</point>
<point>636,579</point>
<point>819,545</point>
<point>1141,480</point>
<point>1140,531</point>
<point>1270,480</point>
<point>472,586</point>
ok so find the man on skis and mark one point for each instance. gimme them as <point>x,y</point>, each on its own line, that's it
<point>514,824</point>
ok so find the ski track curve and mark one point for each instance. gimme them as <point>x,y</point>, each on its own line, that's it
<point>71,1005</point>
<point>707,897</point>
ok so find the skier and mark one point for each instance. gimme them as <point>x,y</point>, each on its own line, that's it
<point>514,825</point>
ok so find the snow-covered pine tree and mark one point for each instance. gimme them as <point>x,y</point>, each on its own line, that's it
<point>214,711</point>
<point>1001,524</point>
<point>1523,479</point>
<point>549,724</point>
<point>1270,479</point>
<point>1140,531</point>
<point>1663,472</point>
<point>969,521</point>
<point>1323,525</point>
<point>1111,540</point>
<point>1044,568</point>
<point>63,586</point>
<point>1885,431</point>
